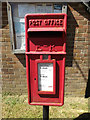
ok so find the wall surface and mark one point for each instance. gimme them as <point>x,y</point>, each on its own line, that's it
<point>77,50</point>
<point>14,70</point>
<point>0,48</point>
<point>76,69</point>
<point>0,60</point>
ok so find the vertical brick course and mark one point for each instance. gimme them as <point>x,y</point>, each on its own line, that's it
<point>0,60</point>
<point>76,72</point>
<point>0,53</point>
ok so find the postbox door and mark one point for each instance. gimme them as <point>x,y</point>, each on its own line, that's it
<point>46,75</point>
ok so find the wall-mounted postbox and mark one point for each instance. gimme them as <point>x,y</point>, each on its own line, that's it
<point>45,58</point>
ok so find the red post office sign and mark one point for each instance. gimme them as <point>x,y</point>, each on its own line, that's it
<point>45,58</point>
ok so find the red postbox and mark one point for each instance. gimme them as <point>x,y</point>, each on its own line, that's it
<point>45,58</point>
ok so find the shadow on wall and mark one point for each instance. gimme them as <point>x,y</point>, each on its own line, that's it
<point>80,69</point>
<point>4,15</point>
<point>72,24</point>
<point>81,9</point>
<point>71,27</point>
<point>22,59</point>
<point>87,94</point>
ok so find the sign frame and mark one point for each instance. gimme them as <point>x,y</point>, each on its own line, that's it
<point>54,76</point>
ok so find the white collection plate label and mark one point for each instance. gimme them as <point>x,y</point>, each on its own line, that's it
<point>45,76</point>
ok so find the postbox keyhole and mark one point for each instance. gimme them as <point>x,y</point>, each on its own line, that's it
<point>34,78</point>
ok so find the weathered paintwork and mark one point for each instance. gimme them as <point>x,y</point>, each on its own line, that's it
<point>45,35</point>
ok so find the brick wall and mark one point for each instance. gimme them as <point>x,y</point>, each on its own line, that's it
<point>76,74</point>
<point>0,49</point>
<point>13,71</point>
<point>77,50</point>
<point>0,45</point>
<point>0,61</point>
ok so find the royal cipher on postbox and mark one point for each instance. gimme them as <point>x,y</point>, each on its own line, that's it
<point>45,36</point>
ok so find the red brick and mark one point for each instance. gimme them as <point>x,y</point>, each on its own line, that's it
<point>81,22</point>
